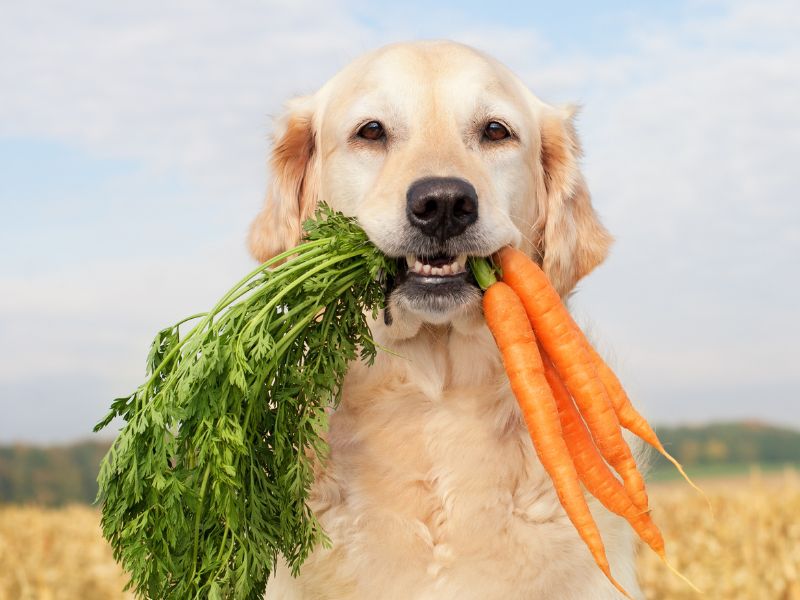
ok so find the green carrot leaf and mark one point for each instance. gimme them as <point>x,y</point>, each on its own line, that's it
<point>207,483</point>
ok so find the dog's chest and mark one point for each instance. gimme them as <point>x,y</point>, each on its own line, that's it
<point>433,490</point>
<point>438,495</point>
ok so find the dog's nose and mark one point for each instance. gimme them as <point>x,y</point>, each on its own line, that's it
<point>442,207</point>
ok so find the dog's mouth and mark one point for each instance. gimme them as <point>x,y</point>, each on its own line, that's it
<point>434,284</point>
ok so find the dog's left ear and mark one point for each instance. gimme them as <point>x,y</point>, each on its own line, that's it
<point>293,192</point>
<point>573,240</point>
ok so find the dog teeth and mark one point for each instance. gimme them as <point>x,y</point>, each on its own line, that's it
<point>415,265</point>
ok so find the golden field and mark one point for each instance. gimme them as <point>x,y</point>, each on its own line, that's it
<point>748,550</point>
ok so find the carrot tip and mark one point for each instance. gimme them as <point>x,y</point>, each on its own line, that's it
<point>682,576</point>
<point>678,466</point>
<point>617,585</point>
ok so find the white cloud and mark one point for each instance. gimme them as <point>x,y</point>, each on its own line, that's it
<point>186,85</point>
<point>690,137</point>
<point>692,163</point>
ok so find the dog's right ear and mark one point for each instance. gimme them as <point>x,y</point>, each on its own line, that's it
<point>574,240</point>
<point>292,194</point>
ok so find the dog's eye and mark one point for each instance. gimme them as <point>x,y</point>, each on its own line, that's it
<point>371,131</point>
<point>495,131</point>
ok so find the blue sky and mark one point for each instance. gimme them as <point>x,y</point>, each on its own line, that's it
<point>133,142</point>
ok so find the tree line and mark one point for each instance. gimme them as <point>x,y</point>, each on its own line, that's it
<point>50,476</point>
<point>58,475</point>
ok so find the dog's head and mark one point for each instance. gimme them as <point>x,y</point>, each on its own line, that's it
<point>441,153</point>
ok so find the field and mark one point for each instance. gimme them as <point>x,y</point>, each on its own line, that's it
<point>56,554</point>
<point>749,550</point>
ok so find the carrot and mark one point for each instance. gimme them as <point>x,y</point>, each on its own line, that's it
<point>595,474</point>
<point>508,322</point>
<point>592,469</point>
<point>560,338</point>
<point>628,416</point>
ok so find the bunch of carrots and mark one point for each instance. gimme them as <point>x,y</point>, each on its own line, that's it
<point>571,401</point>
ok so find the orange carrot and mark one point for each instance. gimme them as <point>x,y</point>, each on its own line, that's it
<point>557,333</point>
<point>628,416</point>
<point>595,474</point>
<point>592,469</point>
<point>508,322</point>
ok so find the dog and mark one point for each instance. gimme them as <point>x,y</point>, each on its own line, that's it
<point>432,489</point>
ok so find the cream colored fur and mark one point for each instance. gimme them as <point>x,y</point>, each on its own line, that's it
<point>432,489</point>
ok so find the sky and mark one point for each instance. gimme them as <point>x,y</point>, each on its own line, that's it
<point>133,144</point>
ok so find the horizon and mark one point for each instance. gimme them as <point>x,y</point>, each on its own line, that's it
<point>104,439</point>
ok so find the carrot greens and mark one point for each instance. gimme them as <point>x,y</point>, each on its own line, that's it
<point>208,480</point>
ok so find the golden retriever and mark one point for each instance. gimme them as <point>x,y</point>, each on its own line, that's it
<point>432,489</point>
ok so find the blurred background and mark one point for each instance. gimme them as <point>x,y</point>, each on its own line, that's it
<point>133,140</point>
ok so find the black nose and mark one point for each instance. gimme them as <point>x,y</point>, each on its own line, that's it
<point>442,207</point>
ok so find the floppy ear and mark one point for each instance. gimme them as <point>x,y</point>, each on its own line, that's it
<point>573,240</point>
<point>292,194</point>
